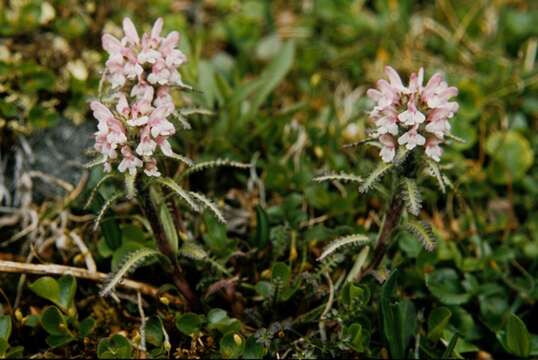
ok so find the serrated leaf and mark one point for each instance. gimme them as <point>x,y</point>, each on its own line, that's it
<point>171,184</point>
<point>423,233</point>
<point>96,188</point>
<point>340,177</point>
<point>214,163</point>
<point>95,162</point>
<point>104,208</point>
<point>374,177</point>
<point>412,197</point>
<point>129,263</point>
<point>192,250</point>
<point>434,171</point>
<point>356,239</point>
<point>208,204</point>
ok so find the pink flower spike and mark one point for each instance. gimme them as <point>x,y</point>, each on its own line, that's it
<point>130,31</point>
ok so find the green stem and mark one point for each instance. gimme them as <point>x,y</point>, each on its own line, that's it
<point>148,207</point>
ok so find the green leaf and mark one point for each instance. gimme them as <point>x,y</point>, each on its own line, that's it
<point>374,177</point>
<point>423,232</point>
<point>398,319</point>
<point>47,288</point>
<point>350,240</point>
<point>280,273</point>
<point>352,294</point>
<point>165,218</point>
<point>262,228</point>
<point>412,197</point>
<point>55,341</point>
<point>154,331</point>
<point>218,319</point>
<point>115,347</point>
<point>512,156</point>
<point>445,285</point>
<point>232,345</point>
<point>517,336</point>
<point>451,346</point>
<point>356,336</point>
<point>86,326</point>
<point>182,193</point>
<point>437,321</point>
<point>192,250</point>
<point>273,75</point>
<point>15,352</point>
<point>68,288</point>
<point>5,327</point>
<point>253,349</point>
<point>189,323</point>
<point>54,322</point>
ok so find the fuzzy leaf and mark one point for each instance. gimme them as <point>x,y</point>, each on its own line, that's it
<point>171,184</point>
<point>208,204</point>
<point>95,162</point>
<point>129,263</point>
<point>192,250</point>
<point>104,208</point>
<point>434,170</point>
<point>423,232</point>
<point>96,188</point>
<point>341,177</point>
<point>375,176</point>
<point>357,239</point>
<point>214,163</point>
<point>412,197</point>
<point>130,185</point>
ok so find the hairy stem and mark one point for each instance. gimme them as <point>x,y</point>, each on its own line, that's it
<point>148,207</point>
<point>392,218</point>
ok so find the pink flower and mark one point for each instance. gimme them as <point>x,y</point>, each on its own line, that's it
<point>387,122</point>
<point>129,161</point>
<point>146,146</point>
<point>411,116</point>
<point>131,35</point>
<point>150,168</point>
<point>433,150</point>
<point>389,148</point>
<point>159,125</point>
<point>411,139</point>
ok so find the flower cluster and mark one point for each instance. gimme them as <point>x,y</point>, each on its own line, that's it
<point>412,116</point>
<point>134,123</point>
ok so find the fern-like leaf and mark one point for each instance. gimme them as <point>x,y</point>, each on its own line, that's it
<point>214,163</point>
<point>192,250</point>
<point>375,176</point>
<point>104,208</point>
<point>181,158</point>
<point>95,162</point>
<point>341,177</point>
<point>129,263</point>
<point>193,111</point>
<point>358,143</point>
<point>412,197</point>
<point>96,188</point>
<point>357,239</point>
<point>181,119</point>
<point>401,155</point>
<point>423,233</point>
<point>208,204</point>
<point>456,138</point>
<point>171,184</point>
<point>434,171</point>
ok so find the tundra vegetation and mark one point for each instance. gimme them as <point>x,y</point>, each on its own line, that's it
<point>250,179</point>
